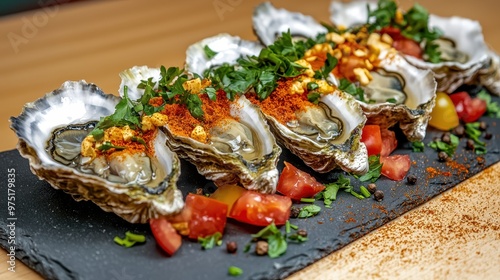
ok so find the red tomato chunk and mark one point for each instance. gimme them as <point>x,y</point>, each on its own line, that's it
<point>297,184</point>
<point>261,209</point>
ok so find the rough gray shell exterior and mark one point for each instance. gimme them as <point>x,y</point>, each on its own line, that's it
<point>466,33</point>
<point>270,22</point>
<point>260,174</point>
<point>419,84</point>
<point>420,89</point>
<point>78,103</point>
<point>345,152</point>
<point>228,49</point>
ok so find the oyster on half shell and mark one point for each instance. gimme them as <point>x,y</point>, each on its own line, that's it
<point>326,136</point>
<point>464,52</point>
<point>410,90</point>
<point>50,132</point>
<point>240,149</point>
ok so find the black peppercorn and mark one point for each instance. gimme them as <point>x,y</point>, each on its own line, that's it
<point>372,187</point>
<point>231,247</point>
<point>459,131</point>
<point>442,156</point>
<point>483,125</point>
<point>446,138</point>
<point>261,247</point>
<point>378,195</point>
<point>470,144</point>
<point>294,212</point>
<point>302,232</point>
<point>411,179</point>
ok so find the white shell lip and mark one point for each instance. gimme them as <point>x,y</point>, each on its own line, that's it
<point>466,33</point>
<point>228,49</point>
<point>78,102</point>
<point>268,18</point>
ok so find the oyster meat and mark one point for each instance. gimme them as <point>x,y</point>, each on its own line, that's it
<point>51,130</point>
<point>463,50</point>
<point>395,92</point>
<point>324,136</point>
<point>237,149</point>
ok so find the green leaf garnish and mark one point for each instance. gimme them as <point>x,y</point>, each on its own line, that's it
<point>472,131</point>
<point>209,52</point>
<point>449,149</point>
<point>492,108</point>
<point>130,239</point>
<point>374,169</point>
<point>417,146</point>
<point>352,89</point>
<point>234,271</point>
<point>276,241</point>
<point>210,241</point>
<point>309,211</point>
<point>108,145</point>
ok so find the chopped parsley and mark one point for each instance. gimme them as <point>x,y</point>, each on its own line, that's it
<point>417,146</point>
<point>472,131</point>
<point>209,52</point>
<point>449,149</point>
<point>373,170</point>
<point>275,239</point>
<point>234,271</point>
<point>130,239</point>
<point>492,108</point>
<point>108,145</point>
<point>309,211</point>
<point>352,89</point>
<point>210,241</point>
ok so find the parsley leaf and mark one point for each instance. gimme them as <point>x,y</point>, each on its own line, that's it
<point>492,108</point>
<point>374,169</point>
<point>417,146</point>
<point>209,52</point>
<point>352,89</point>
<point>108,145</point>
<point>309,211</point>
<point>449,149</point>
<point>276,241</point>
<point>472,131</point>
<point>234,271</point>
<point>208,242</point>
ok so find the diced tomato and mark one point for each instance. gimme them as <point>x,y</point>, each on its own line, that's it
<point>297,184</point>
<point>165,235</point>
<point>468,109</point>
<point>395,167</point>
<point>346,67</point>
<point>208,215</point>
<point>372,138</point>
<point>389,142</point>
<point>228,194</point>
<point>261,209</point>
<point>408,47</point>
<point>394,32</point>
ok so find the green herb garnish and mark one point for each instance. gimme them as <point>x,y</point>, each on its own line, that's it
<point>309,211</point>
<point>364,191</point>
<point>209,52</point>
<point>414,25</point>
<point>329,194</point>
<point>492,108</point>
<point>352,89</point>
<point>130,239</point>
<point>210,241</point>
<point>449,149</point>
<point>373,171</point>
<point>417,146</point>
<point>472,131</point>
<point>276,241</point>
<point>108,145</point>
<point>234,271</point>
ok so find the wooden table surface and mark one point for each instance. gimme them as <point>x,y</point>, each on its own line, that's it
<point>455,235</point>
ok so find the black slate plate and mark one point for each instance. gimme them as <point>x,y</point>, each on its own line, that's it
<point>64,239</point>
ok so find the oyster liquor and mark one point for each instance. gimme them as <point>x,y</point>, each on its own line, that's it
<point>11,220</point>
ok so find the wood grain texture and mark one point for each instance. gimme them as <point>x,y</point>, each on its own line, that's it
<point>95,40</point>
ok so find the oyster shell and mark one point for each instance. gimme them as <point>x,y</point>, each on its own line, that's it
<point>270,22</point>
<point>50,132</point>
<point>464,50</point>
<point>325,136</point>
<point>228,49</point>
<point>241,150</point>
<point>411,90</point>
